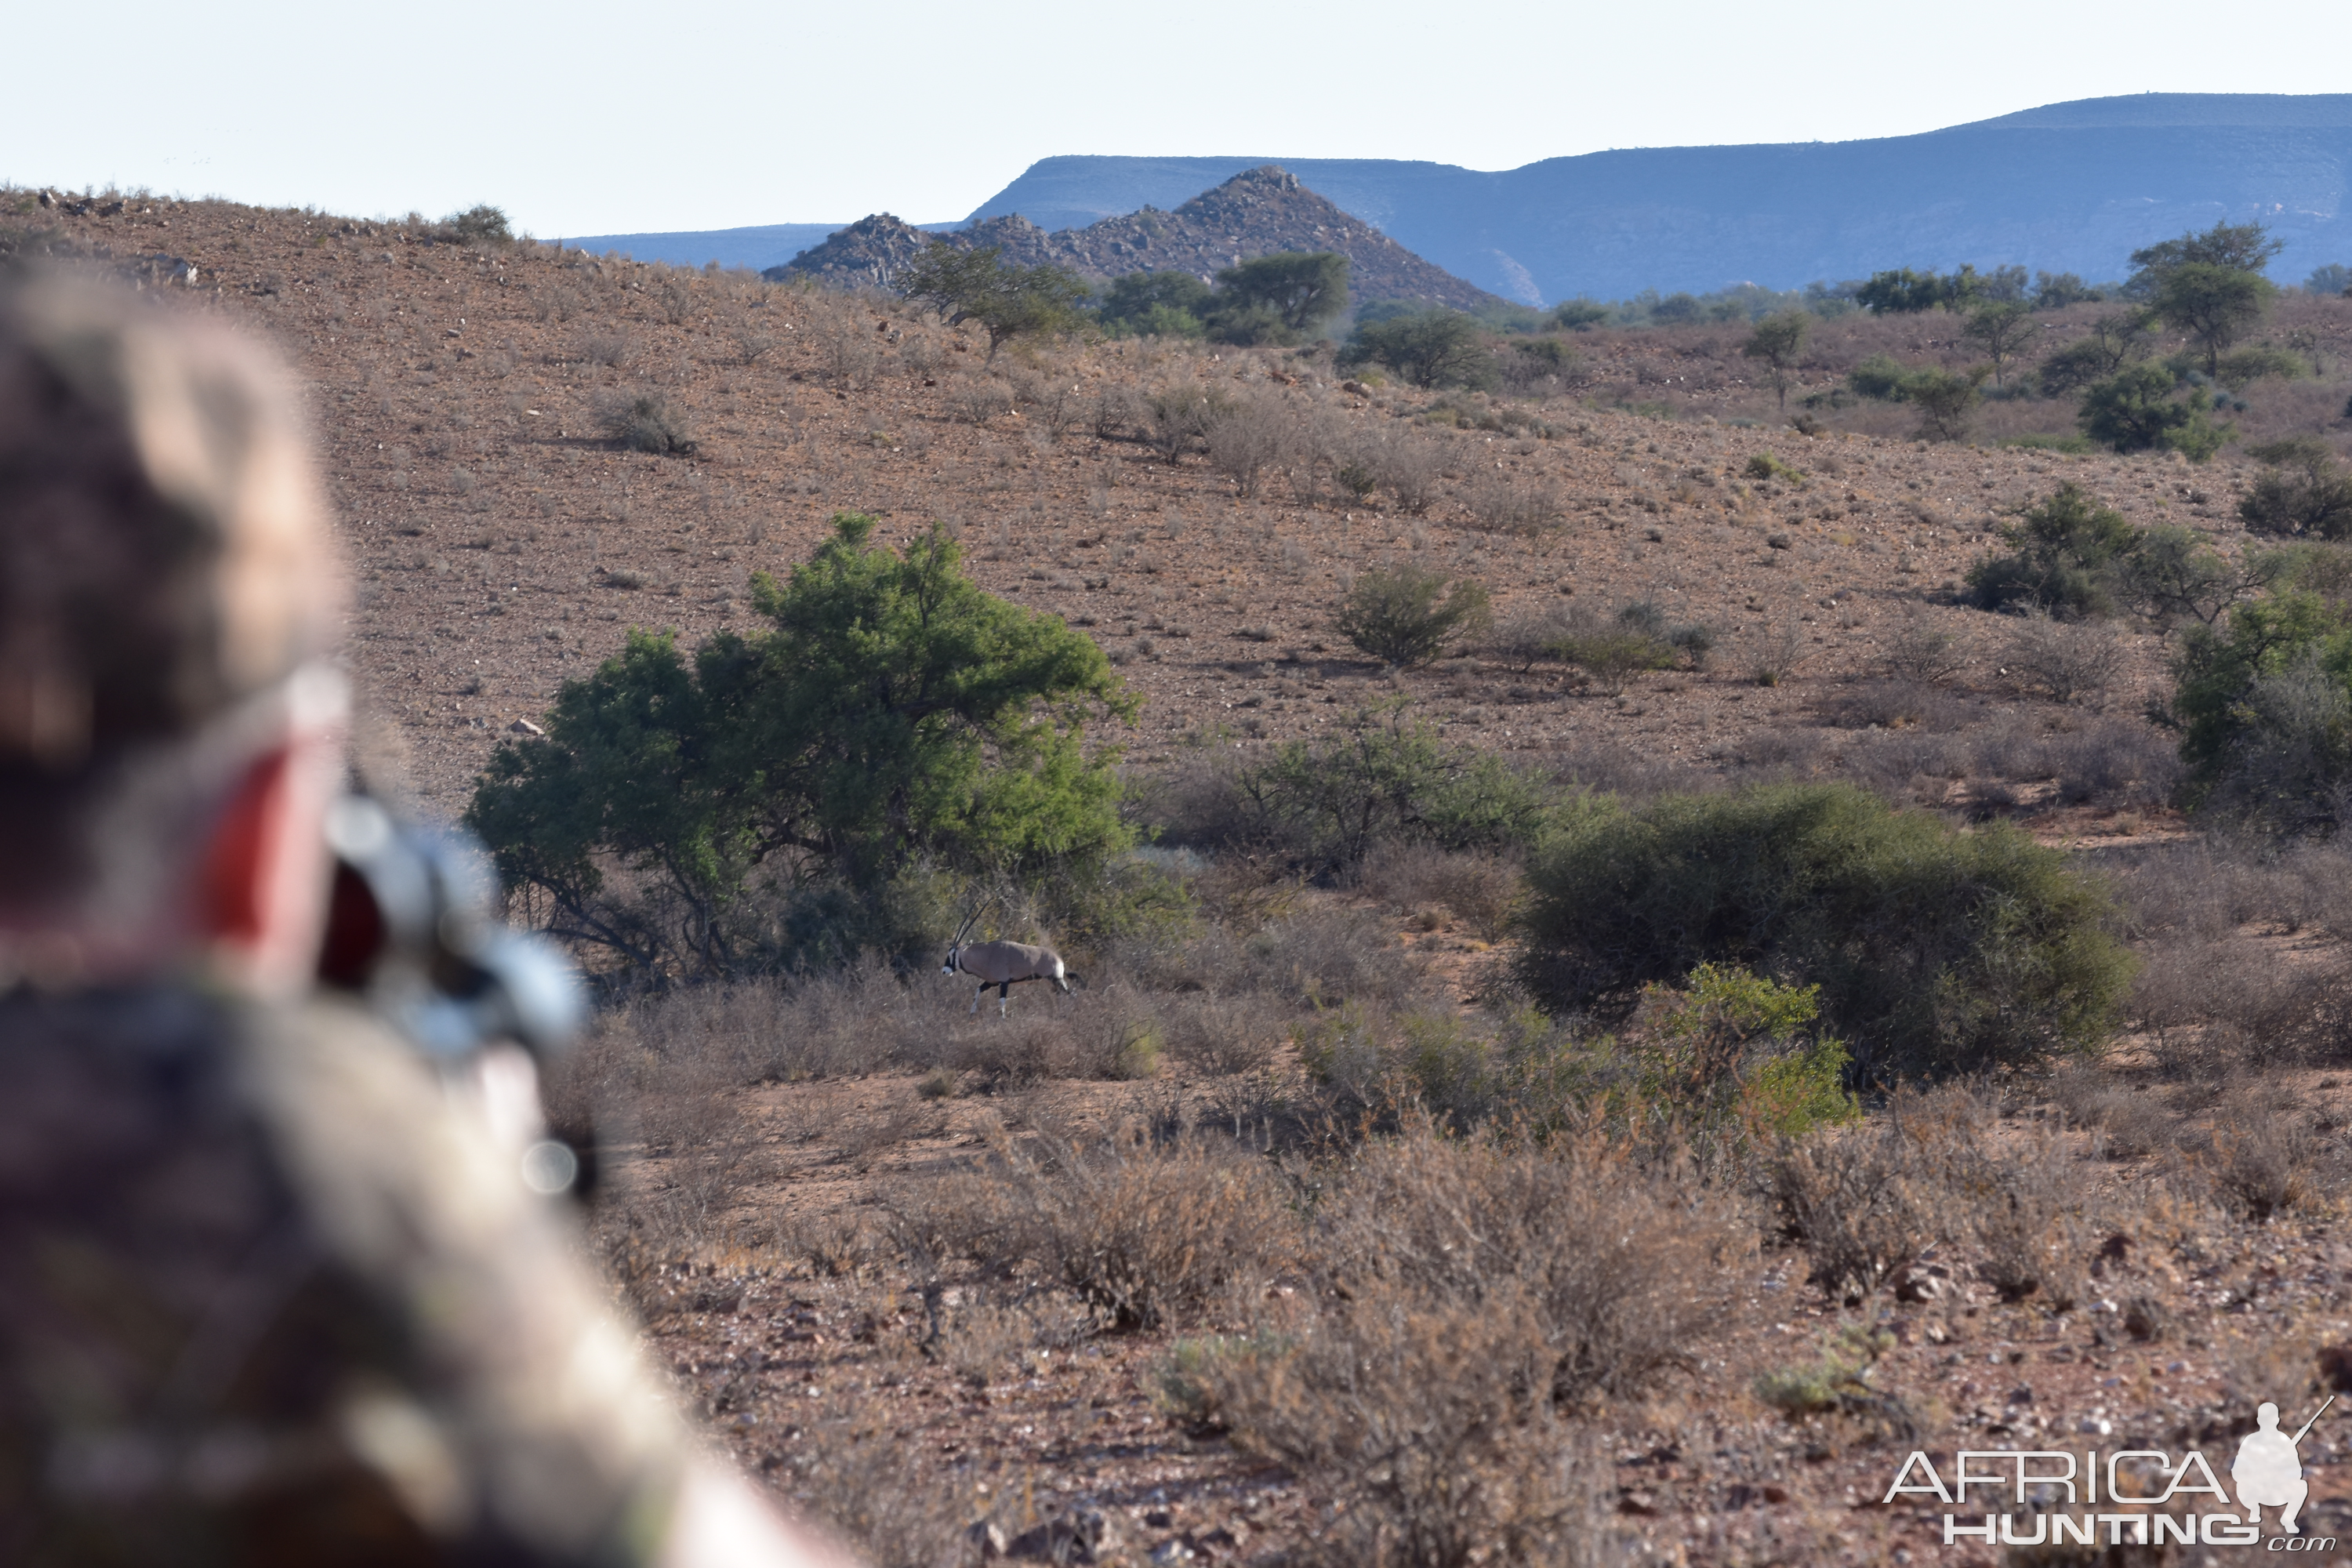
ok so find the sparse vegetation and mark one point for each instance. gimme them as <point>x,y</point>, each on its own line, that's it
<point>828,1175</point>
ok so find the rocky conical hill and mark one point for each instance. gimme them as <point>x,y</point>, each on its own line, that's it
<point>1257,213</point>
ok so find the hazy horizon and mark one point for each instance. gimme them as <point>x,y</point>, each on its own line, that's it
<point>744,115</point>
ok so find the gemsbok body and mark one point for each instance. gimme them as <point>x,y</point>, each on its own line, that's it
<point>1006,964</point>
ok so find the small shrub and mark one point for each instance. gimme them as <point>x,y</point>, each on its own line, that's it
<point>2263,1158</point>
<point>1386,778</point>
<point>1431,1423</point>
<point>977,402</point>
<point>2135,411</point>
<point>1944,399</point>
<point>1837,1383</point>
<point>1856,1200</point>
<point>1407,615</point>
<point>1880,377</point>
<point>1924,653</point>
<point>2242,367</point>
<point>607,348</point>
<point>1729,1051</point>
<point>2067,660</point>
<point>1397,464</point>
<point>2067,556</point>
<point>1222,1035</point>
<point>644,422</point>
<point>2303,490</point>
<point>481,225</point>
<point>1612,651</point>
<point>1482,889</point>
<point>1765,466</point>
<point>2023,1212</point>
<point>1248,439</point>
<point>2266,714</point>
<point>1143,1232</point>
<point>1180,417</point>
<point>1514,506</point>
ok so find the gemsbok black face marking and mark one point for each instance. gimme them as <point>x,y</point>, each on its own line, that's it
<point>1004,964</point>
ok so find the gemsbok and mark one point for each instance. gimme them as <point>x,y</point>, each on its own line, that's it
<point>1004,964</point>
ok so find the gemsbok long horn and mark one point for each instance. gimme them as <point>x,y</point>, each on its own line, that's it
<point>1006,964</point>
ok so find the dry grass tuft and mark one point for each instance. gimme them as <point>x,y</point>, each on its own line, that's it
<point>1141,1230</point>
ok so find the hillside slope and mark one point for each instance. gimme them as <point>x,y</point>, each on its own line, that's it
<point>502,541</point>
<point>1255,213</point>
<point>2066,187</point>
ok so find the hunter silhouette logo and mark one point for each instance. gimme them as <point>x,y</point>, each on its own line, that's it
<point>2269,1468</point>
<point>2062,1497</point>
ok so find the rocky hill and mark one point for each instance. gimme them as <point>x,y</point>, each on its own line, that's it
<point>1255,213</point>
<point>2071,187</point>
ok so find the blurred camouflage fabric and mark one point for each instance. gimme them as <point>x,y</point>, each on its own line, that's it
<point>268,1295</point>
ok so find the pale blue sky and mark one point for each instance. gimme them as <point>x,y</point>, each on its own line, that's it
<point>604,117</point>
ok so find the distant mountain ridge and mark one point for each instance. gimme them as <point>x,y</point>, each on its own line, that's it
<point>1258,211</point>
<point>2066,187</point>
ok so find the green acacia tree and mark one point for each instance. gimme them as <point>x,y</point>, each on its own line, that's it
<point>1779,340</point>
<point>1944,400</point>
<point>1161,304</point>
<point>1008,301</point>
<point>890,713</point>
<point>1428,348</point>
<point>2004,329</point>
<point>1283,297</point>
<point>1901,293</point>
<point>2215,306</point>
<point>2209,284</point>
<point>2133,410</point>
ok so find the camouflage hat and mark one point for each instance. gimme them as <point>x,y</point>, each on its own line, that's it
<point>163,552</point>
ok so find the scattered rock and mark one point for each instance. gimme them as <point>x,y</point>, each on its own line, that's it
<point>1919,1283</point>
<point>1059,1540</point>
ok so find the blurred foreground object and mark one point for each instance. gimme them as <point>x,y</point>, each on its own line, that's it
<point>272,1287</point>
